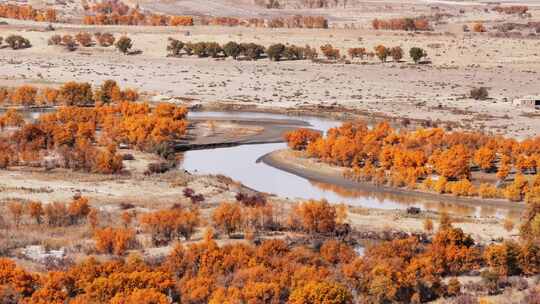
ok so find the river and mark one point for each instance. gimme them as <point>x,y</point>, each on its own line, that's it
<point>241,164</point>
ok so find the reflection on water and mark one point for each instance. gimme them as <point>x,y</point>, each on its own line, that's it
<point>240,163</point>
<point>408,200</point>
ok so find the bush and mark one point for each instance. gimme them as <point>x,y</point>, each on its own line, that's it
<point>84,39</point>
<point>213,49</point>
<point>124,44</point>
<point>199,49</point>
<point>17,42</point>
<point>294,52</point>
<point>417,54</point>
<point>105,39</point>
<point>275,51</point>
<point>330,52</point>
<point>479,93</point>
<point>157,168</point>
<point>174,48</point>
<point>396,53</point>
<point>55,40</point>
<point>232,49</point>
<point>252,51</point>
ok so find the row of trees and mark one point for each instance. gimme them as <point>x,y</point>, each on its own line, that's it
<point>296,21</point>
<point>84,39</point>
<point>402,24</point>
<point>402,270</point>
<point>279,51</point>
<point>512,9</point>
<point>410,158</point>
<point>138,18</point>
<point>252,51</point>
<point>27,12</point>
<point>69,94</point>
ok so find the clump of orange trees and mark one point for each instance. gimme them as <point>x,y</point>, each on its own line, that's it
<point>67,137</point>
<point>403,24</point>
<point>430,159</point>
<point>27,12</point>
<point>69,94</point>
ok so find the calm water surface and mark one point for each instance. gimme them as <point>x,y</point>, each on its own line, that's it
<point>241,164</point>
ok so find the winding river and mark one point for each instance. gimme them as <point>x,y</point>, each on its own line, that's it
<point>242,163</point>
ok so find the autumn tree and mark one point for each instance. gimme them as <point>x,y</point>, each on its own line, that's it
<point>330,52</point>
<point>114,240</point>
<point>25,95</point>
<point>321,293</point>
<point>84,39</point>
<point>396,53</point>
<point>105,39</point>
<point>168,225</point>
<point>301,138</point>
<point>484,158</point>
<point>316,216</point>
<point>78,209</point>
<point>227,217</point>
<point>73,93</point>
<point>453,163</point>
<point>382,52</point>
<point>16,210</point>
<point>35,210</point>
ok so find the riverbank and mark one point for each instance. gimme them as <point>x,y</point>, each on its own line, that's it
<point>310,169</point>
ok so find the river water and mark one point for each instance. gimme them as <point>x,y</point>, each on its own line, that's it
<point>241,164</point>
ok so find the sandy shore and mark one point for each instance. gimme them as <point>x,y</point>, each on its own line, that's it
<point>286,160</point>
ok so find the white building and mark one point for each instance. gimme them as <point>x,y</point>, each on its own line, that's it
<point>532,102</point>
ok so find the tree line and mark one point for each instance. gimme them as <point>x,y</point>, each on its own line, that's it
<point>279,51</point>
<point>27,12</point>
<point>402,24</point>
<point>428,159</point>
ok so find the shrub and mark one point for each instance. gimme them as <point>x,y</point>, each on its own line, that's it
<point>480,93</point>
<point>275,51</point>
<point>396,53</point>
<point>55,40</point>
<point>199,49</point>
<point>105,39</point>
<point>252,51</point>
<point>157,168</point>
<point>84,39</point>
<point>232,49</point>
<point>17,42</point>
<point>213,49</point>
<point>417,54</point>
<point>174,48</point>
<point>124,44</point>
<point>357,53</point>
<point>479,28</point>
<point>382,52</point>
<point>294,52</point>
<point>330,52</point>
